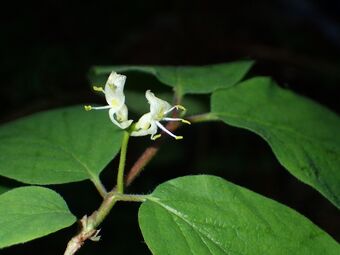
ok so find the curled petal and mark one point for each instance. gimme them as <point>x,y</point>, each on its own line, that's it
<point>122,113</point>
<point>117,80</point>
<point>120,118</point>
<point>125,124</point>
<point>145,126</point>
<point>114,87</point>
<point>144,122</point>
<point>158,107</point>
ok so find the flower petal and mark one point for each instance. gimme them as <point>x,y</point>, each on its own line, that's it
<point>158,107</point>
<point>122,124</point>
<point>114,87</point>
<point>145,126</point>
<point>122,113</point>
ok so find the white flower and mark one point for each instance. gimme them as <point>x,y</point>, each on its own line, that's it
<point>149,122</point>
<point>115,98</point>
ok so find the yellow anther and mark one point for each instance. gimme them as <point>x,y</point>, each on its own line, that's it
<point>99,89</point>
<point>180,107</point>
<point>87,107</point>
<point>178,137</point>
<point>186,121</point>
<point>156,137</point>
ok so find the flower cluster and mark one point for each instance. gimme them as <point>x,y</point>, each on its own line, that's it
<point>149,123</point>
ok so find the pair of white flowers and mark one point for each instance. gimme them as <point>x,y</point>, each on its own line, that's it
<point>118,112</point>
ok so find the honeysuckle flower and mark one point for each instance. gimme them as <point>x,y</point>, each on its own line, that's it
<point>115,98</point>
<point>150,122</point>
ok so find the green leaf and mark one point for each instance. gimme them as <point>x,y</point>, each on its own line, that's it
<point>3,189</point>
<point>304,135</point>
<point>27,213</point>
<point>189,79</point>
<point>208,215</point>
<point>58,146</point>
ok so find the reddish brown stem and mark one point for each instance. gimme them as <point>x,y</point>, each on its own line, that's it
<point>147,155</point>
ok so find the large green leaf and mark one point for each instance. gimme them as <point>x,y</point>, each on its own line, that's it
<point>208,215</point>
<point>304,135</point>
<point>3,189</point>
<point>27,213</point>
<point>189,79</point>
<point>58,146</point>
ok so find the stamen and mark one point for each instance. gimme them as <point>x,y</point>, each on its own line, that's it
<point>154,137</point>
<point>186,122</point>
<point>177,119</point>
<point>99,89</point>
<point>101,107</point>
<point>87,107</point>
<point>177,107</point>
<point>180,107</point>
<point>167,131</point>
<point>178,137</point>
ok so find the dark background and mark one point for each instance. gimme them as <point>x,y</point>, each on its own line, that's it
<point>47,50</point>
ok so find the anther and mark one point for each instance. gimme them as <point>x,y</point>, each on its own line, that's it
<point>186,122</point>
<point>87,107</point>
<point>99,89</point>
<point>156,137</point>
<point>180,107</point>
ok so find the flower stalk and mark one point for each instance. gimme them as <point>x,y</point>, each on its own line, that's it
<point>121,167</point>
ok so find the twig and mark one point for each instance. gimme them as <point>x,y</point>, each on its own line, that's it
<point>89,224</point>
<point>147,155</point>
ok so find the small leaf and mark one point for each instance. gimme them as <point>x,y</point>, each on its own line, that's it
<point>27,213</point>
<point>58,146</point>
<point>208,215</point>
<point>189,79</point>
<point>304,135</point>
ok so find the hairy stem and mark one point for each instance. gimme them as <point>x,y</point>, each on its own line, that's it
<point>89,224</point>
<point>142,161</point>
<point>121,167</point>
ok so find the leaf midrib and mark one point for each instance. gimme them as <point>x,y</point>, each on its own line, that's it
<point>175,213</point>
